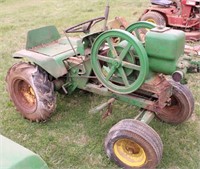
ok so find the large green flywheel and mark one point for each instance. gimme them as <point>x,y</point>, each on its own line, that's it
<point>119,61</point>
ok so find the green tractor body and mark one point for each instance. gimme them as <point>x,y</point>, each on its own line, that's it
<point>45,47</point>
<point>127,65</point>
<point>15,156</point>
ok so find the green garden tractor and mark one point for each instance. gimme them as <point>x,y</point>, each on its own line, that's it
<point>113,63</point>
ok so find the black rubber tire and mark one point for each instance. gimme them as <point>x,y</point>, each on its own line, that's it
<point>31,91</point>
<point>154,17</point>
<point>181,107</point>
<point>140,134</point>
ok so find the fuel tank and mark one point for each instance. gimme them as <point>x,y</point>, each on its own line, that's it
<point>164,47</point>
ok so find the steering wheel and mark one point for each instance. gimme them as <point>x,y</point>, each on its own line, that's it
<point>84,26</point>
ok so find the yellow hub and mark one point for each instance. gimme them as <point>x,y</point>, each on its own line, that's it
<point>28,93</point>
<point>151,20</point>
<point>130,153</point>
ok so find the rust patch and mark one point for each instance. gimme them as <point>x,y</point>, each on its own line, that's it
<point>118,23</point>
<point>160,87</point>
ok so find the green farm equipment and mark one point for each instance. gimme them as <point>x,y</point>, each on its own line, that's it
<point>15,156</point>
<point>113,63</point>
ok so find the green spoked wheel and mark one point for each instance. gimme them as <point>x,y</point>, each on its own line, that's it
<point>128,58</point>
<point>139,29</point>
<point>119,61</point>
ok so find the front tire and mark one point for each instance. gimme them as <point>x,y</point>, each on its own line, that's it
<point>133,144</point>
<point>31,91</point>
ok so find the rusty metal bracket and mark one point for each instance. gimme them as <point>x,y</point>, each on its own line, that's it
<point>107,104</point>
<point>118,23</point>
<point>160,87</point>
<point>108,111</point>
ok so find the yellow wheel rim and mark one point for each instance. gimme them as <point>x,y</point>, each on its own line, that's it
<point>151,20</point>
<point>28,94</point>
<point>130,153</point>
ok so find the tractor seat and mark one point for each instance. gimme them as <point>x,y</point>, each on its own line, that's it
<point>47,41</point>
<point>161,2</point>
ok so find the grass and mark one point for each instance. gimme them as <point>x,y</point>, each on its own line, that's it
<point>73,137</point>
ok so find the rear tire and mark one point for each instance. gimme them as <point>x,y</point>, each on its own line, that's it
<point>31,91</point>
<point>155,18</point>
<point>133,144</point>
<point>181,106</point>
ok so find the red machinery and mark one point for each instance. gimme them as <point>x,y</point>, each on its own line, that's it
<point>180,14</point>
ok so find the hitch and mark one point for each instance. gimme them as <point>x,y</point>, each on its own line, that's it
<point>102,106</point>
<point>107,105</point>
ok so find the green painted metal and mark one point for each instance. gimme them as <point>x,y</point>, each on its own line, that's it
<point>51,57</point>
<point>164,47</point>
<point>135,101</point>
<point>116,61</point>
<point>132,100</point>
<point>98,90</point>
<point>140,28</point>
<point>87,42</point>
<point>195,64</point>
<point>56,68</point>
<point>40,36</point>
<point>139,25</point>
<point>69,87</point>
<point>81,79</point>
<point>81,48</point>
<point>15,156</point>
<point>128,58</point>
<point>147,117</point>
<point>59,47</point>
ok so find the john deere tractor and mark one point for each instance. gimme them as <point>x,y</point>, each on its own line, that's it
<point>113,63</point>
